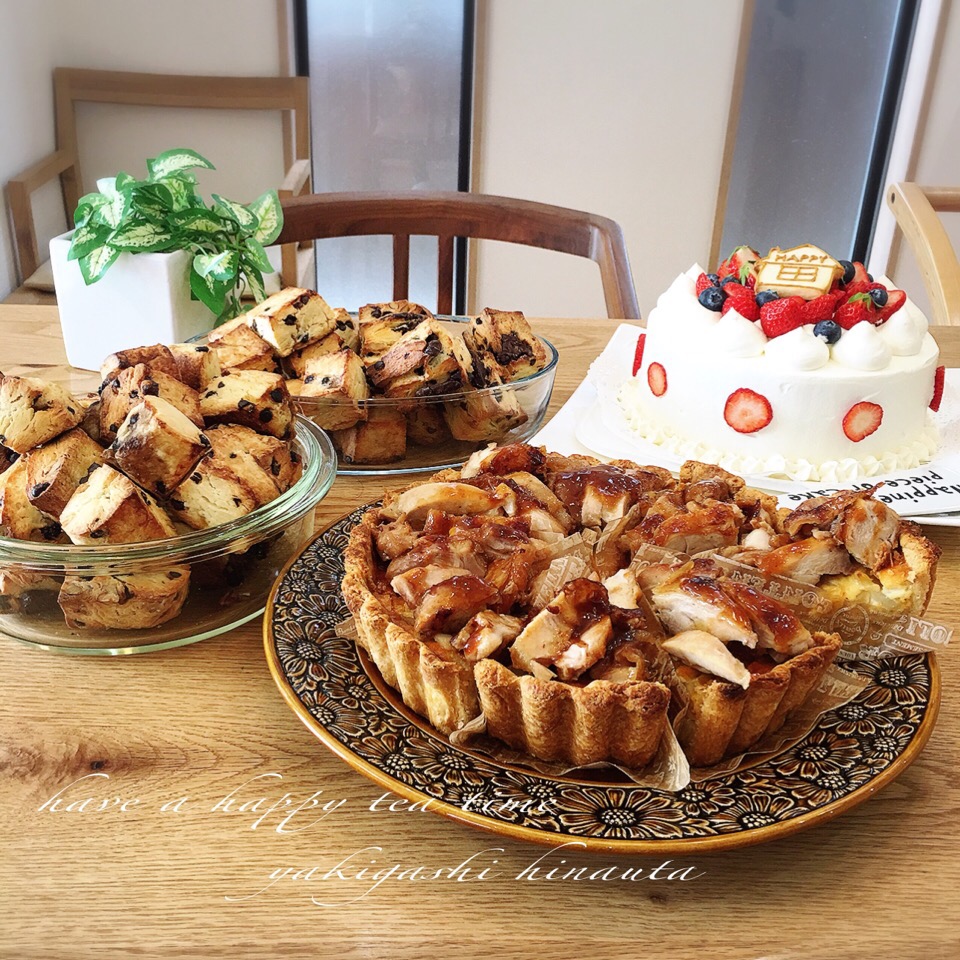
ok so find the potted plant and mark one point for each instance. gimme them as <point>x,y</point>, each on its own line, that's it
<point>149,261</point>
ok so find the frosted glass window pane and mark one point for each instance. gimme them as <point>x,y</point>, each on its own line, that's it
<point>815,78</point>
<point>385,98</point>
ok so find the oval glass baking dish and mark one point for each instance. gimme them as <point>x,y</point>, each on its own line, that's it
<point>225,573</point>
<point>386,435</point>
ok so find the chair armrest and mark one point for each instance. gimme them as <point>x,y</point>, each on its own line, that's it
<point>930,244</point>
<point>18,193</point>
<point>298,176</point>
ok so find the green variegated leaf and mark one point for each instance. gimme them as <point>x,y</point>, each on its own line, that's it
<point>84,214</point>
<point>270,214</point>
<point>87,238</point>
<point>254,280</point>
<point>236,212</point>
<point>142,237</point>
<point>94,264</point>
<point>181,191</point>
<point>92,199</point>
<point>256,255</point>
<point>116,208</point>
<point>123,181</point>
<point>180,158</point>
<point>211,292</point>
<point>219,266</point>
<point>199,220</point>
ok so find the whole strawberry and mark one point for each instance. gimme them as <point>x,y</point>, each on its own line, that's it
<point>859,307</point>
<point>742,300</point>
<point>782,315</point>
<point>820,308</point>
<point>742,264</point>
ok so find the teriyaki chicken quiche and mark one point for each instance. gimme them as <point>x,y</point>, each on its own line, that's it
<point>522,588</point>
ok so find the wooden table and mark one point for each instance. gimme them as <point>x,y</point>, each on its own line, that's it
<point>172,877</point>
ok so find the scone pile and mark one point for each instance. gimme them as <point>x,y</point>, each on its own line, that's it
<point>393,350</point>
<point>546,593</point>
<point>170,443</point>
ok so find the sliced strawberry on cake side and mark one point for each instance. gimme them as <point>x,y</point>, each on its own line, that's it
<point>747,411</point>
<point>862,420</point>
<point>638,353</point>
<point>937,389</point>
<point>657,379</point>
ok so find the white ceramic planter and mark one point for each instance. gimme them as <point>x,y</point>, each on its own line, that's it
<point>143,298</point>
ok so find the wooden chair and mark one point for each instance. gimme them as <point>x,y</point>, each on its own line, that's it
<point>72,86</point>
<point>450,215</point>
<point>915,209</point>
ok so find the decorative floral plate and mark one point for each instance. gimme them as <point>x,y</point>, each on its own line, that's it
<point>339,694</point>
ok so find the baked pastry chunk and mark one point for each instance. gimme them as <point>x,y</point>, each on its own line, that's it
<point>338,380</point>
<point>298,364</point>
<point>157,358</point>
<point>17,587</point>
<point>34,411</point>
<point>123,392</point>
<point>55,470</point>
<point>19,518</point>
<point>291,319</point>
<point>507,337</point>
<point>157,446</point>
<point>553,595</point>
<point>382,437</point>
<point>381,325</point>
<point>221,489</point>
<point>133,601</point>
<point>486,414</point>
<point>251,398</point>
<point>111,508</point>
<point>242,348</point>
<point>421,363</point>
<point>196,363</point>
<point>274,457</point>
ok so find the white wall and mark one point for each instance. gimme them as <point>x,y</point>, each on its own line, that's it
<point>215,37</point>
<point>619,108</point>
<point>938,157</point>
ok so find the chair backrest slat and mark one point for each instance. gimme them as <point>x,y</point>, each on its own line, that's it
<point>915,209</point>
<point>475,216</point>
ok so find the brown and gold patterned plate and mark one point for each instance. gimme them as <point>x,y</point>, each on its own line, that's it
<point>339,694</point>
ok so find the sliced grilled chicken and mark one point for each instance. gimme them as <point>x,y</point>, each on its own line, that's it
<point>623,589</point>
<point>486,634</point>
<point>806,560</point>
<point>504,460</point>
<point>870,531</point>
<point>705,527</point>
<point>777,628</point>
<point>394,539</point>
<point>705,652</point>
<point>819,513</point>
<point>413,584</point>
<point>447,606</point>
<point>440,552</point>
<point>570,634</point>
<point>450,497</point>
<point>696,602</point>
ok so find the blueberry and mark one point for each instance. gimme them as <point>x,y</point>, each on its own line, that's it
<point>848,271</point>
<point>730,279</point>
<point>766,296</point>
<point>879,297</point>
<point>828,330</point>
<point>712,298</point>
<point>714,279</point>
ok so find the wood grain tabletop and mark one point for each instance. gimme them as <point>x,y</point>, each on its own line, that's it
<point>142,798</point>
